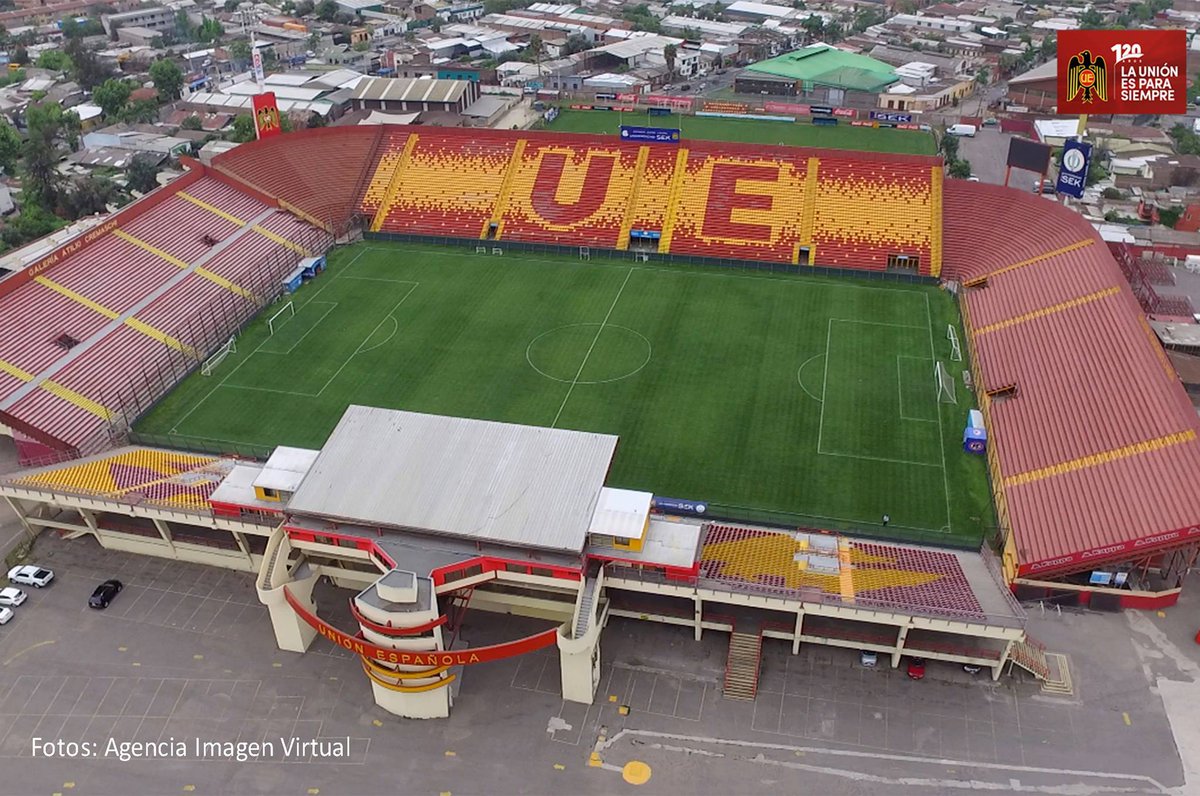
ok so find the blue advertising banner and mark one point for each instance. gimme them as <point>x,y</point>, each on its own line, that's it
<point>824,120</point>
<point>652,135</point>
<point>1073,168</point>
<point>891,116</point>
<point>669,505</point>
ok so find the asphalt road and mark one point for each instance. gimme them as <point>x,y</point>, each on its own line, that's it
<point>186,652</point>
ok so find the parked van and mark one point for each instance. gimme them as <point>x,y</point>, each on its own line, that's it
<point>967,130</point>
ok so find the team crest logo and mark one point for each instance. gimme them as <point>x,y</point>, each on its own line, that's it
<point>1087,78</point>
<point>268,118</point>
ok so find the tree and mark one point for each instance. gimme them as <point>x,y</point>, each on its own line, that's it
<point>834,32</point>
<point>949,147</point>
<point>210,30</point>
<point>34,222</point>
<point>814,26</point>
<point>243,129</point>
<point>314,41</point>
<point>192,123</point>
<point>1091,19</point>
<point>86,67</point>
<point>960,169</point>
<point>326,10</point>
<point>111,96</point>
<point>145,111</point>
<point>168,79</point>
<point>982,76</point>
<point>184,30</point>
<point>20,55</point>
<point>1049,46</point>
<point>41,153</point>
<point>87,196</point>
<point>669,53</point>
<point>576,43</point>
<point>239,51</point>
<point>232,5</point>
<point>10,147</point>
<point>56,60</point>
<point>142,174</point>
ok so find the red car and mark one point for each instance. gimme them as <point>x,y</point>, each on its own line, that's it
<point>916,668</point>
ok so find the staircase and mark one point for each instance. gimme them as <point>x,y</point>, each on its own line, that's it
<point>587,599</point>
<point>1030,655</point>
<point>741,667</point>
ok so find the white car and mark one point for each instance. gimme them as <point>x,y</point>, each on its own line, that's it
<point>11,597</point>
<point>30,575</point>
<point>868,659</point>
<point>5,615</point>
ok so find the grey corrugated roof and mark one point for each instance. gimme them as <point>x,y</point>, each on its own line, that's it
<point>478,479</point>
<point>407,89</point>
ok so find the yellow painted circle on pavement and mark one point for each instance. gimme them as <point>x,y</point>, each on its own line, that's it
<point>636,772</point>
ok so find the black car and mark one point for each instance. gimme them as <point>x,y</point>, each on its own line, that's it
<point>104,593</point>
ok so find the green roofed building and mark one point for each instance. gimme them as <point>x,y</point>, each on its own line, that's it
<point>820,73</point>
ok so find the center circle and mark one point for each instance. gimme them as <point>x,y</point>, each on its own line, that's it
<point>588,353</point>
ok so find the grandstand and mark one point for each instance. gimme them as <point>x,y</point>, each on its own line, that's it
<point>1091,436</point>
<point>96,331</point>
<point>706,199</point>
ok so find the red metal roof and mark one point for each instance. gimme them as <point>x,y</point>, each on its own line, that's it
<point>1098,449</point>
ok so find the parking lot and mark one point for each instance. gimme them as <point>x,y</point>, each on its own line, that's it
<point>187,653</point>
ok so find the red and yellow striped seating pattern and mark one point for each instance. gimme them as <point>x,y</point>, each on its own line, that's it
<point>880,574</point>
<point>858,214</point>
<point>448,187</point>
<point>570,195</point>
<point>706,198</point>
<point>748,208</point>
<point>167,478</point>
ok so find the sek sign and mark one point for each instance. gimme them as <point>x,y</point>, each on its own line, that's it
<point>652,135</point>
<point>1073,169</point>
<point>1122,71</point>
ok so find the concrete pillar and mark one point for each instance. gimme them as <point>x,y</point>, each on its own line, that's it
<point>799,629</point>
<point>164,531</point>
<point>579,662</point>
<point>998,669</point>
<point>899,646</point>
<point>699,616</point>
<point>15,505</point>
<point>292,633</point>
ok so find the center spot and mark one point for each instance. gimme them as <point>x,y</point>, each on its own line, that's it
<point>612,353</point>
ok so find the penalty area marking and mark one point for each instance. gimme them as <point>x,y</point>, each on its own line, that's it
<point>900,389</point>
<point>331,305</point>
<point>800,377</point>
<point>630,374</point>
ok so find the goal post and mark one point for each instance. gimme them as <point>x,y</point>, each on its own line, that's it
<point>289,309</point>
<point>210,364</point>
<point>945,384</point>
<point>955,348</point>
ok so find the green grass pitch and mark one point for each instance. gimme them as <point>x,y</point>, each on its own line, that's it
<point>811,398</point>
<point>748,131</point>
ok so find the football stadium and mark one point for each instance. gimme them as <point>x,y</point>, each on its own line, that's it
<point>796,395</point>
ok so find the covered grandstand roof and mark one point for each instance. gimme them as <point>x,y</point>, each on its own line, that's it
<point>401,89</point>
<point>1097,443</point>
<point>478,479</point>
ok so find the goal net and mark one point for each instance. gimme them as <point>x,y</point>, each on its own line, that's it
<point>945,385</point>
<point>210,364</point>
<point>955,348</point>
<point>286,312</point>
